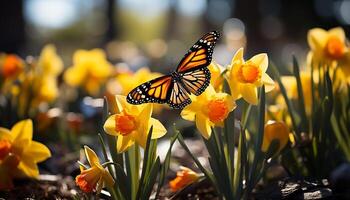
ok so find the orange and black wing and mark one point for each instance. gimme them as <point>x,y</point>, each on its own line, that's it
<point>160,90</point>
<point>200,54</point>
<point>154,91</point>
<point>178,97</point>
<point>196,81</point>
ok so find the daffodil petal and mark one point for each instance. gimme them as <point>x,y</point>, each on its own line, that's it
<point>123,104</point>
<point>249,93</point>
<point>124,142</point>
<point>188,113</point>
<point>109,125</point>
<point>235,88</point>
<point>28,167</point>
<point>80,56</point>
<point>268,82</point>
<point>289,83</point>
<point>74,75</point>
<point>158,128</point>
<point>209,91</point>
<point>146,113</point>
<point>108,179</point>
<point>144,118</point>
<point>238,56</point>
<point>22,131</point>
<point>5,134</point>
<point>91,156</point>
<point>37,151</point>
<point>99,185</point>
<point>338,32</point>
<point>230,102</point>
<point>203,125</point>
<point>260,60</point>
<point>317,38</point>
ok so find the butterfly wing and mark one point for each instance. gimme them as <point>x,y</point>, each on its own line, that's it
<point>154,91</point>
<point>178,98</point>
<point>195,78</point>
<point>200,54</point>
<point>196,81</point>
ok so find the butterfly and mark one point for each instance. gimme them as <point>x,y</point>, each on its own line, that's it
<point>190,77</point>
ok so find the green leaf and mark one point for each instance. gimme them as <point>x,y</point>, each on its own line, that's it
<point>229,133</point>
<point>301,103</point>
<point>148,160</point>
<point>291,110</point>
<point>166,164</point>
<point>199,165</point>
<point>245,116</point>
<point>132,163</point>
<point>119,189</point>
<point>343,143</point>
<point>150,180</point>
<point>219,164</point>
<point>240,164</point>
<point>258,143</point>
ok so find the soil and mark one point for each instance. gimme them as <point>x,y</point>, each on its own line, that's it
<point>45,187</point>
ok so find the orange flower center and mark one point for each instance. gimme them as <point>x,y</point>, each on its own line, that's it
<point>183,178</point>
<point>335,48</point>
<point>5,148</point>
<point>88,179</point>
<point>125,123</point>
<point>249,73</point>
<point>217,110</point>
<point>83,184</point>
<point>11,66</point>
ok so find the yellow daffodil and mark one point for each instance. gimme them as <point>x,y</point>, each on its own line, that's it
<point>329,48</point>
<point>47,91</point>
<point>90,70</point>
<point>275,131</point>
<point>128,81</point>
<point>279,112</point>
<point>17,143</point>
<point>94,178</point>
<point>244,77</point>
<point>183,178</point>
<point>49,62</point>
<point>290,84</point>
<point>132,123</point>
<point>45,75</point>
<point>39,84</point>
<point>208,109</point>
<point>216,79</point>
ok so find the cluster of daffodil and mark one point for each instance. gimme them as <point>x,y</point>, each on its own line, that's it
<point>19,155</point>
<point>27,84</point>
<point>314,102</point>
<point>213,113</point>
<point>302,127</point>
<point>131,127</point>
<point>89,72</point>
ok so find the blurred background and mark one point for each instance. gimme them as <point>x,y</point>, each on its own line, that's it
<point>156,33</point>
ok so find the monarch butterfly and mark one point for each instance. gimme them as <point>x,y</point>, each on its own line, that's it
<point>190,76</point>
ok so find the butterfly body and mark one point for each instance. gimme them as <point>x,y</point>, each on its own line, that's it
<point>191,77</point>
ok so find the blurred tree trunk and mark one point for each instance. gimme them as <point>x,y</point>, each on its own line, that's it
<point>172,18</point>
<point>111,32</point>
<point>12,35</point>
<point>248,12</point>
